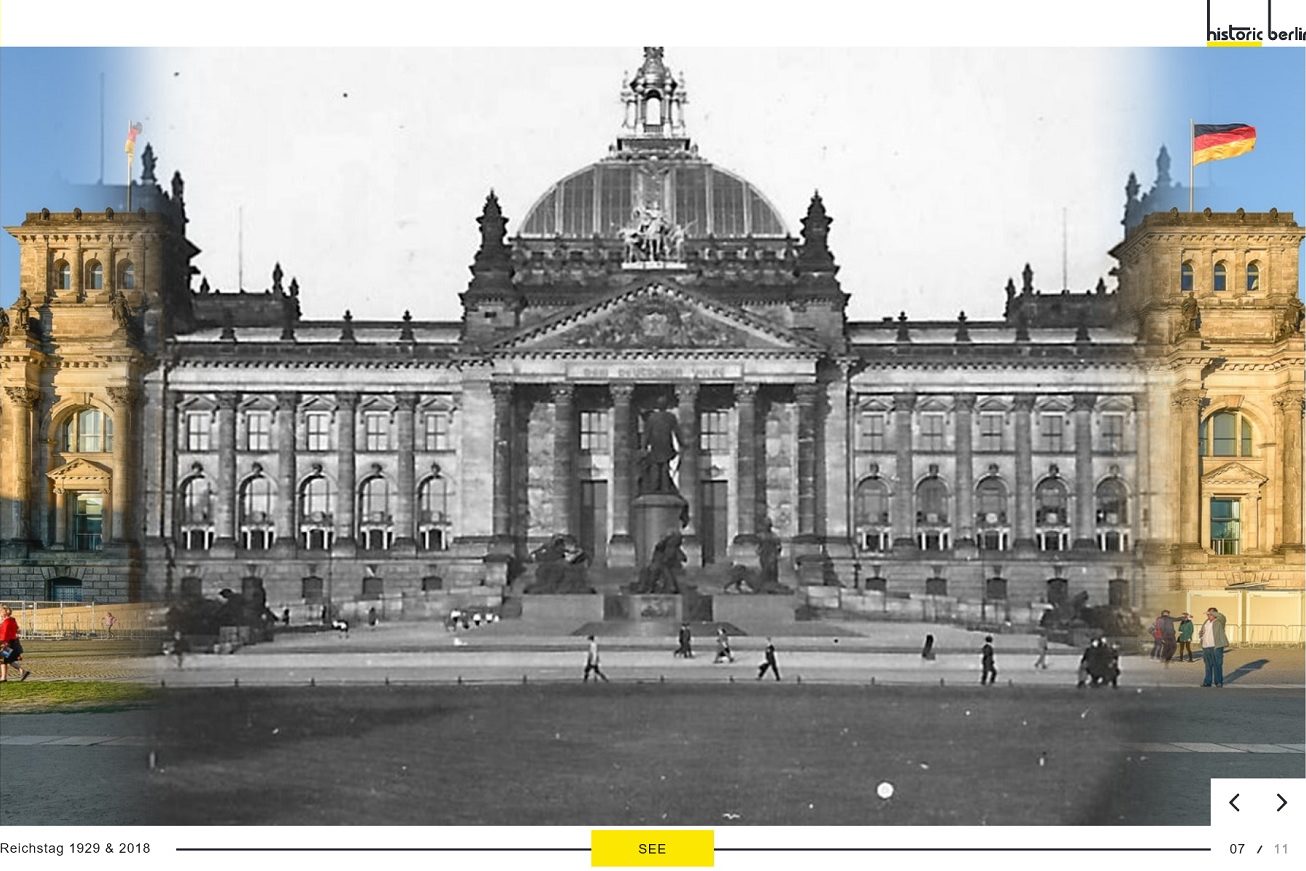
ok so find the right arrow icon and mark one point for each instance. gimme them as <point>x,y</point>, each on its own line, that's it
<point>1234,799</point>
<point>1284,803</point>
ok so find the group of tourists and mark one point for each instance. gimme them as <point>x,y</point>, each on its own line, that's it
<point>1170,635</point>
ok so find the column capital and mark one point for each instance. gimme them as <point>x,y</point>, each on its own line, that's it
<point>1084,401</point>
<point>501,390</point>
<point>25,396</point>
<point>806,393</point>
<point>904,401</point>
<point>1189,399</point>
<point>964,401</point>
<point>121,396</point>
<point>687,392</point>
<point>406,401</point>
<point>1289,402</point>
<point>287,400</point>
<point>746,392</point>
<point>228,400</point>
<point>622,392</point>
<point>1023,401</point>
<point>347,400</point>
<point>562,392</point>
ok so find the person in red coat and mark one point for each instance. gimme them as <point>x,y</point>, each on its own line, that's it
<point>11,649</point>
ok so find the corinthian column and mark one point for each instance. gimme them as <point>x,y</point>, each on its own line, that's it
<point>746,463</point>
<point>1290,414</point>
<point>963,408</point>
<point>21,402</point>
<point>1085,498</point>
<point>1185,404</point>
<point>1024,503</point>
<point>287,528</point>
<point>623,462</point>
<point>405,478</point>
<point>501,510</point>
<point>224,509</point>
<point>346,472</point>
<point>806,395</point>
<point>904,513</point>
<point>564,454</point>
<point>687,414</point>
<point>123,519</point>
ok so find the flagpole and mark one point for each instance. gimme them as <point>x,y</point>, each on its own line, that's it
<point>1191,158</point>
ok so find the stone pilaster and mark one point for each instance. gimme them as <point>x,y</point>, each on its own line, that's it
<point>346,473</point>
<point>405,474</point>
<point>1289,405</point>
<point>224,504</point>
<point>621,549</point>
<point>564,458</point>
<point>1085,497</point>
<point>1023,526</point>
<point>963,411</point>
<point>806,395</point>
<point>1186,407</point>
<point>687,416</point>
<point>746,463</point>
<point>287,477</point>
<point>904,511</point>
<point>502,393</point>
<point>123,527</point>
<point>21,401</point>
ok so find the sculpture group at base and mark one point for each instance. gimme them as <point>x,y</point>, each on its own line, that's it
<point>766,579</point>
<point>561,567</point>
<point>662,574</point>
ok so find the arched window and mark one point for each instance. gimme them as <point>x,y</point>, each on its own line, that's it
<point>374,523</point>
<point>932,515</point>
<point>316,501</point>
<point>1186,277</point>
<point>653,110</point>
<point>126,276</point>
<point>89,431</point>
<point>1253,276</point>
<point>1225,434</point>
<point>94,276</point>
<point>872,514</point>
<point>991,502</point>
<point>1221,278</point>
<point>433,518</point>
<point>257,502</point>
<point>1050,515</point>
<point>196,514</point>
<point>63,276</point>
<point>1112,503</point>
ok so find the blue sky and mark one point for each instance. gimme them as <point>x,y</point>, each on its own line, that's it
<point>50,132</point>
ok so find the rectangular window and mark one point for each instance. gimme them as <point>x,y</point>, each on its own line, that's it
<point>1052,431</point>
<point>317,431</point>
<point>932,432</point>
<point>258,431</point>
<point>594,431</point>
<point>871,432</point>
<point>197,431</point>
<point>714,432</point>
<point>376,431</point>
<point>1223,434</point>
<point>990,436</point>
<point>1226,531</point>
<point>1113,432</point>
<point>435,428</point>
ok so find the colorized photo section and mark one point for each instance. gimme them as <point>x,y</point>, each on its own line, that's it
<point>879,437</point>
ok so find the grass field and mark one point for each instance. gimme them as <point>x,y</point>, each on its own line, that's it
<point>635,755</point>
<point>34,696</point>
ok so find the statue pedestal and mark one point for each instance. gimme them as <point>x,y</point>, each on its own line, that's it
<point>653,517</point>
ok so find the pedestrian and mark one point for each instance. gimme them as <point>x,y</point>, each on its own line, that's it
<point>285,616</point>
<point>1167,637</point>
<point>1084,663</point>
<point>1214,641</point>
<point>178,647</point>
<point>1042,661</point>
<point>988,671</point>
<point>769,662</point>
<point>1113,665</point>
<point>722,646</point>
<point>1185,636</point>
<point>11,649</point>
<point>592,661</point>
<point>1156,638</point>
<point>109,620</point>
<point>686,642</point>
<point>927,652</point>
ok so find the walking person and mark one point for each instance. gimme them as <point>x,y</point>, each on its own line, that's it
<point>109,620</point>
<point>722,646</point>
<point>1167,637</point>
<point>1185,636</point>
<point>1042,661</point>
<point>11,649</point>
<point>769,662</point>
<point>686,642</point>
<point>1214,641</point>
<point>592,661</point>
<point>927,652</point>
<point>988,671</point>
<point>1156,638</point>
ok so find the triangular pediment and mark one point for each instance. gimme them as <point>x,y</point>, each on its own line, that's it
<point>1234,474</point>
<point>80,474</point>
<point>656,317</point>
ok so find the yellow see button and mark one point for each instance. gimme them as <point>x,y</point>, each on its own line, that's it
<point>674,848</point>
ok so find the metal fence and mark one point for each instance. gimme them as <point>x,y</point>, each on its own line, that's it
<point>1265,635</point>
<point>88,619</point>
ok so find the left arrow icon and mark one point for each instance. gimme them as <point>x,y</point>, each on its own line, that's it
<point>1234,799</point>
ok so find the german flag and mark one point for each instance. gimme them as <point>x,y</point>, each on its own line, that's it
<point>1219,141</point>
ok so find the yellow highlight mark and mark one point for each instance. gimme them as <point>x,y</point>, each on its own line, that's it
<point>666,848</point>
<point>1231,44</point>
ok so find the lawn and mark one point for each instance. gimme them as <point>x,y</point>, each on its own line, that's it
<point>35,696</point>
<point>647,754</point>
